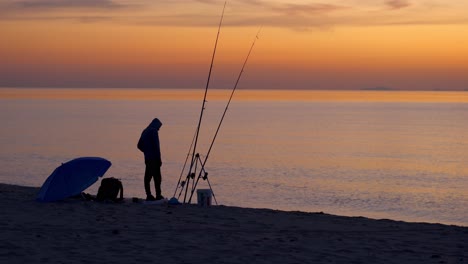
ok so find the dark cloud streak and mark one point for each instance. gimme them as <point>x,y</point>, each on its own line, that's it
<point>80,19</point>
<point>54,4</point>
<point>284,8</point>
<point>397,4</point>
<point>311,9</point>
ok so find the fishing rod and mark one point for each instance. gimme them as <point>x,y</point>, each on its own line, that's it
<point>197,132</point>
<point>183,169</point>
<point>222,119</point>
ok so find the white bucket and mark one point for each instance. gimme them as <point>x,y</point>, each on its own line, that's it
<point>204,197</point>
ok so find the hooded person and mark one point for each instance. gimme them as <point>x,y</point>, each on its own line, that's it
<point>149,145</point>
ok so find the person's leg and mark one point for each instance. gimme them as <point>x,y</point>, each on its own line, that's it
<point>157,181</point>
<point>148,175</point>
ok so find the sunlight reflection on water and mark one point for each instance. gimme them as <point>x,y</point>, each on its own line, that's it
<point>397,160</point>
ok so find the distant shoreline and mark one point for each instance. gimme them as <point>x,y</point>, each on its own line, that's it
<point>241,95</point>
<point>243,88</point>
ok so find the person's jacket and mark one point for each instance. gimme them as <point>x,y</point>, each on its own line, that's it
<point>149,141</point>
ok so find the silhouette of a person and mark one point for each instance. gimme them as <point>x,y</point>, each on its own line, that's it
<point>149,145</point>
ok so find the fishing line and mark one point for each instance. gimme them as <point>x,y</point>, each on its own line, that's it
<point>183,168</point>
<point>206,88</point>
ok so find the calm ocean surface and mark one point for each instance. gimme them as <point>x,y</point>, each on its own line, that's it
<point>398,160</point>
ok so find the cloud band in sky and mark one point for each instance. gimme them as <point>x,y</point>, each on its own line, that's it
<point>202,13</point>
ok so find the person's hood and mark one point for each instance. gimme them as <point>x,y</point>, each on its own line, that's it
<point>155,124</point>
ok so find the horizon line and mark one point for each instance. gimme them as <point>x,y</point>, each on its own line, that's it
<point>257,95</point>
<point>377,88</point>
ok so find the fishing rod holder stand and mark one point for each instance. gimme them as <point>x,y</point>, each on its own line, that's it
<point>203,174</point>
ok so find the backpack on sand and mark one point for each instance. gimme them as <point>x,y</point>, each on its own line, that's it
<point>109,190</point>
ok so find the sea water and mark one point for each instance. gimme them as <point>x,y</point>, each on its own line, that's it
<point>398,160</point>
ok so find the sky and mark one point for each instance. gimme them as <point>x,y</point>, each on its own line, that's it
<point>323,45</point>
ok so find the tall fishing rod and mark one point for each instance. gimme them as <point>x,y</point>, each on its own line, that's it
<point>222,117</point>
<point>197,132</point>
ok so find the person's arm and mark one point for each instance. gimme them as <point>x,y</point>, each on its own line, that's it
<point>158,148</point>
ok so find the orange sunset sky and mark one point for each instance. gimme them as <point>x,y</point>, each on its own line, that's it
<point>335,44</point>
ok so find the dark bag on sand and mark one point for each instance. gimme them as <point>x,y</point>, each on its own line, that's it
<point>109,190</point>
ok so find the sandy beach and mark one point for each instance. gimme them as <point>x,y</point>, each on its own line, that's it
<point>78,231</point>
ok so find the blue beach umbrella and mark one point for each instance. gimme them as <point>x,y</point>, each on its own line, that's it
<point>72,177</point>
